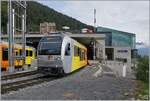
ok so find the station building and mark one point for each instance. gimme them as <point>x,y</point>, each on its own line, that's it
<point>119,47</point>
<point>117,42</point>
<point>117,38</point>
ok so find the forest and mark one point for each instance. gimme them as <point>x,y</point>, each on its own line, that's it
<point>38,13</point>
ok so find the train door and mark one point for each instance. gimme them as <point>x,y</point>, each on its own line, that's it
<point>67,57</point>
<point>27,57</point>
<point>16,61</point>
<point>31,56</point>
<point>21,60</point>
<point>75,58</point>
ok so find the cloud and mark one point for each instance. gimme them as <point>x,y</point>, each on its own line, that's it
<point>129,16</point>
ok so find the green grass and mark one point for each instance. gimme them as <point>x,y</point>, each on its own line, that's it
<point>143,93</point>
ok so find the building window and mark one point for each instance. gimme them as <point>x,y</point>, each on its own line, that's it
<point>109,53</point>
<point>121,60</point>
<point>122,51</point>
<point>134,53</point>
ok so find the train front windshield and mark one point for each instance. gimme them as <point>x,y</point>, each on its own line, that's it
<point>50,46</point>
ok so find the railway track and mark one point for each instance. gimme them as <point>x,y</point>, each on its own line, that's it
<point>18,75</point>
<point>15,83</point>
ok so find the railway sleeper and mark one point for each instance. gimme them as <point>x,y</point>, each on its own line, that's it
<point>51,71</point>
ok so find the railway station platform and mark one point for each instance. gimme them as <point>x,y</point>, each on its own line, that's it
<point>24,69</point>
<point>80,85</point>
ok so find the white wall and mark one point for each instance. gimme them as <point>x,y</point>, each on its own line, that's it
<point>117,66</point>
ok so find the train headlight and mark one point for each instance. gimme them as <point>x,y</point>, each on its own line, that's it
<point>56,66</point>
<point>58,58</point>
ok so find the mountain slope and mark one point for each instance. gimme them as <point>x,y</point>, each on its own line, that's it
<point>143,51</point>
<point>37,13</point>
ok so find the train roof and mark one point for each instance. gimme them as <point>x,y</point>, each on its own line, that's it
<point>16,45</point>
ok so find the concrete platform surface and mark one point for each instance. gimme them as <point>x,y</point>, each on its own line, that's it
<point>81,85</point>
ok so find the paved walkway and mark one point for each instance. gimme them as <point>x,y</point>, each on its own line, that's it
<point>81,85</point>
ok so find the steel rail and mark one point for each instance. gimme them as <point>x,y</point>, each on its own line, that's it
<point>14,86</point>
<point>18,75</point>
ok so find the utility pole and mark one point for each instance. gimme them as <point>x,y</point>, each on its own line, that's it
<point>94,20</point>
<point>0,38</point>
<point>16,10</point>
<point>10,36</point>
<point>94,43</point>
<point>94,50</point>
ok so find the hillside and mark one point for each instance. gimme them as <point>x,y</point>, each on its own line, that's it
<point>37,13</point>
<point>143,51</point>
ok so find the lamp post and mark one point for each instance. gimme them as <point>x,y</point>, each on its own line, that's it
<point>94,20</point>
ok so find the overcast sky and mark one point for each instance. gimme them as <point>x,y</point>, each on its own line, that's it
<point>129,16</point>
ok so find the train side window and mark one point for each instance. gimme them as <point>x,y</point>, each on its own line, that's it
<point>16,53</point>
<point>5,54</point>
<point>82,57</point>
<point>75,51</point>
<point>79,53</point>
<point>30,53</point>
<point>27,53</point>
<point>67,49</point>
<point>20,52</point>
<point>83,54</point>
